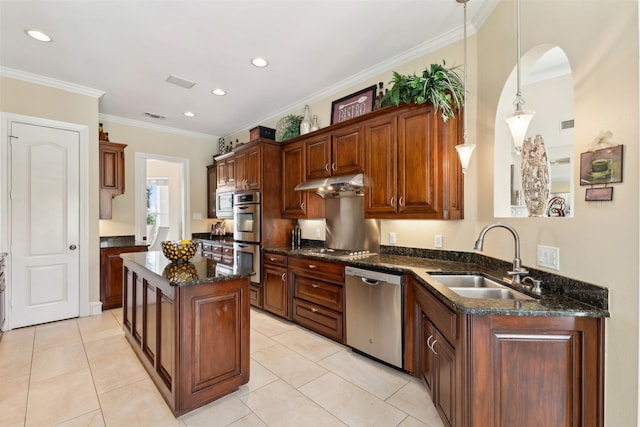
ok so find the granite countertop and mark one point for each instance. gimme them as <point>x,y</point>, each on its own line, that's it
<point>198,271</point>
<point>549,303</point>
<point>225,238</point>
<point>114,242</point>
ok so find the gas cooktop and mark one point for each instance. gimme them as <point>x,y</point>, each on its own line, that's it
<point>338,253</point>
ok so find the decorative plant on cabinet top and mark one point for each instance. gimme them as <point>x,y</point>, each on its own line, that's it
<point>439,85</point>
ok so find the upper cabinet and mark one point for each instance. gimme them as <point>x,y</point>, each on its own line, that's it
<point>334,152</point>
<point>225,171</point>
<point>248,167</point>
<point>297,204</point>
<point>111,175</point>
<point>212,184</point>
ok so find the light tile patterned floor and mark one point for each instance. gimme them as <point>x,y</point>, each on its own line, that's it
<point>82,372</point>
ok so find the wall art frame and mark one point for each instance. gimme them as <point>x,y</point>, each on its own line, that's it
<point>602,166</point>
<point>354,105</point>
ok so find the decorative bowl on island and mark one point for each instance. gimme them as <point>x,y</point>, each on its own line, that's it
<point>179,250</point>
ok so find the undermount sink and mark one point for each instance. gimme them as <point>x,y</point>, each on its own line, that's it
<point>478,286</point>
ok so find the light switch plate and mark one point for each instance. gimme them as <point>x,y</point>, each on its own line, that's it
<point>392,238</point>
<point>549,257</point>
<point>437,241</point>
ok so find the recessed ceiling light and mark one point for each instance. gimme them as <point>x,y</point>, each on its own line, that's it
<point>189,114</point>
<point>259,62</point>
<point>219,92</point>
<point>38,35</point>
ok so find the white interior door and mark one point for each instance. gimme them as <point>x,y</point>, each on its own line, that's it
<point>45,223</point>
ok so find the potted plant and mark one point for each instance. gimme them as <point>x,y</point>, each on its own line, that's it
<point>288,127</point>
<point>439,85</point>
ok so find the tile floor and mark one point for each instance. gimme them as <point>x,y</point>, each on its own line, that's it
<point>82,372</point>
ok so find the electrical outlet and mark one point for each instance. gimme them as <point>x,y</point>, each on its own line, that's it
<point>392,238</point>
<point>549,257</point>
<point>437,241</point>
<point>197,215</point>
<point>318,233</point>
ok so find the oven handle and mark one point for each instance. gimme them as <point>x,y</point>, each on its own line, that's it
<point>370,282</point>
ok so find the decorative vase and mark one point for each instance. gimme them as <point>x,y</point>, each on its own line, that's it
<point>305,125</point>
<point>535,175</point>
<point>314,125</point>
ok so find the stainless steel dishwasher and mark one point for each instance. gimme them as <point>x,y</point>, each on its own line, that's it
<point>373,305</point>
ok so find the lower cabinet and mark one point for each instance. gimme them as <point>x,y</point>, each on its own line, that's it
<point>318,294</point>
<point>275,285</point>
<point>111,275</point>
<point>504,371</point>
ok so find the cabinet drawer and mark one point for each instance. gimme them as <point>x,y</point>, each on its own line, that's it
<point>319,292</point>
<point>255,295</point>
<point>312,267</point>
<point>227,251</point>
<point>318,319</point>
<point>277,259</point>
<point>442,317</point>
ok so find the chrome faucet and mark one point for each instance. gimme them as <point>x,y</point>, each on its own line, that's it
<point>517,264</point>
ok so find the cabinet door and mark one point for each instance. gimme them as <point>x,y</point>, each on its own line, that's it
<point>293,202</point>
<point>221,172</point>
<point>239,170</point>
<point>418,187</point>
<point>318,157</point>
<point>212,184</point>
<point>253,168</point>
<point>427,335</point>
<point>347,150</point>
<point>380,166</point>
<point>276,290</point>
<point>112,167</point>
<point>444,389</point>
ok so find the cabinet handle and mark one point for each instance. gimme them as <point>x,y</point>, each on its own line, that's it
<point>272,259</point>
<point>428,341</point>
<point>284,275</point>
<point>313,285</point>
<point>393,202</point>
<point>433,347</point>
<point>326,167</point>
<point>333,166</point>
<point>312,266</point>
<point>302,205</point>
<point>400,201</point>
<point>313,310</point>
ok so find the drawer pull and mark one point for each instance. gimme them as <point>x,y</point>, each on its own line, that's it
<point>284,275</point>
<point>313,285</point>
<point>314,310</point>
<point>272,259</point>
<point>312,266</point>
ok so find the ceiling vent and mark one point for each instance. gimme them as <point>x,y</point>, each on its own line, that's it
<point>155,116</point>
<point>566,124</point>
<point>179,81</point>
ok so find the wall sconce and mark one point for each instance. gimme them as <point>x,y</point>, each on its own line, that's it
<point>519,122</point>
<point>465,150</point>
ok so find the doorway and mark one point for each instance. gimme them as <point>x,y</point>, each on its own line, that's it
<point>163,180</point>
<point>43,215</point>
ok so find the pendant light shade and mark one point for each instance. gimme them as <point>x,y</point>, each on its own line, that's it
<point>465,150</point>
<point>519,122</point>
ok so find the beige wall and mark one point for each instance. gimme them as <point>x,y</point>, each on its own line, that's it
<point>20,97</point>
<point>199,151</point>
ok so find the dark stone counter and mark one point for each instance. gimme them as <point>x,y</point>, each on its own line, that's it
<point>199,270</point>
<point>120,242</point>
<point>560,296</point>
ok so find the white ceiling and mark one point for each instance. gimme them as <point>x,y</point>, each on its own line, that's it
<point>315,48</point>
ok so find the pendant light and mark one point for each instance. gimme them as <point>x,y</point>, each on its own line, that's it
<point>465,149</point>
<point>519,122</point>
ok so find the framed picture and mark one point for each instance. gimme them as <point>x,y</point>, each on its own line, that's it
<point>601,166</point>
<point>353,105</point>
<point>599,194</point>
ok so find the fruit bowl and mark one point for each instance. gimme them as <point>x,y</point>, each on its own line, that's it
<point>179,250</point>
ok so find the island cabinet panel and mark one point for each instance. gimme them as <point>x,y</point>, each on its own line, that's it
<point>193,340</point>
<point>537,371</point>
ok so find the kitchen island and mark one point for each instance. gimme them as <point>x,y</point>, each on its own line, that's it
<point>188,325</point>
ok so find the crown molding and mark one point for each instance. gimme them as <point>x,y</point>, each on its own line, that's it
<point>155,127</point>
<point>50,82</point>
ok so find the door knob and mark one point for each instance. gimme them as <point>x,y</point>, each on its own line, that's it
<point>73,247</point>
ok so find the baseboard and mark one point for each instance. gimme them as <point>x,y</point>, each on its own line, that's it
<point>95,308</point>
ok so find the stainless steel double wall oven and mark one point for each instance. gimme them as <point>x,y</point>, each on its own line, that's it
<point>246,232</point>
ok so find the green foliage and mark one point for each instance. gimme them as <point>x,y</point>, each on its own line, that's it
<point>439,85</point>
<point>292,127</point>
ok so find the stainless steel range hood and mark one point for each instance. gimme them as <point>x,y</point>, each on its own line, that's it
<point>335,186</point>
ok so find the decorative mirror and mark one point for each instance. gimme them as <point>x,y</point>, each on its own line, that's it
<point>547,88</point>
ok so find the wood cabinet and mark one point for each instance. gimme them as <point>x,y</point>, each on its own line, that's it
<point>318,295</point>
<point>297,204</point>
<point>212,185</point>
<point>411,166</point>
<point>218,251</point>
<point>337,151</point>
<point>248,167</point>
<point>111,175</point>
<point>438,336</point>
<point>111,275</point>
<point>275,285</point>
<point>507,370</point>
<point>3,286</point>
<point>192,340</point>
<point>546,371</point>
<point>225,171</point>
